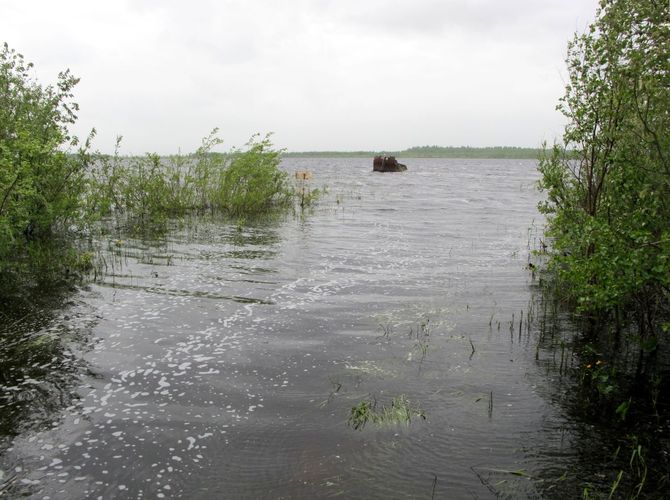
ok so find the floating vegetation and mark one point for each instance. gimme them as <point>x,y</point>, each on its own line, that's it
<point>401,411</point>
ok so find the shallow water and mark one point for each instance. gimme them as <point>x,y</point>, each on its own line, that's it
<point>223,362</point>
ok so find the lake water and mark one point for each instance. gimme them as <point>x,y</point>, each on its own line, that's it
<point>223,362</point>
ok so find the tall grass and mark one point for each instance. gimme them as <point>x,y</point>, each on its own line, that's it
<point>400,411</point>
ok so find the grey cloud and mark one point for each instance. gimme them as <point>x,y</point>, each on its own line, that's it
<point>431,17</point>
<point>164,72</point>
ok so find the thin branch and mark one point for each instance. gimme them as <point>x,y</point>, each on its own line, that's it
<point>11,188</point>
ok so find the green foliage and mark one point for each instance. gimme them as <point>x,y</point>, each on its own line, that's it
<point>361,414</point>
<point>147,190</point>
<point>608,188</point>
<point>622,409</point>
<point>602,378</point>
<point>607,199</point>
<point>252,183</point>
<point>41,183</point>
<point>306,196</point>
<point>401,411</point>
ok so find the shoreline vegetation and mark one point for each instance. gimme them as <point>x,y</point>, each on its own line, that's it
<point>457,152</point>
<point>57,193</point>
<point>607,243</point>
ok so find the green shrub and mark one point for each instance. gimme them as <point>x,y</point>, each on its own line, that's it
<point>607,199</point>
<point>41,181</point>
<point>252,183</point>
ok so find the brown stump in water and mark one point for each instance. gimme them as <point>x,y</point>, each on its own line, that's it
<point>387,164</point>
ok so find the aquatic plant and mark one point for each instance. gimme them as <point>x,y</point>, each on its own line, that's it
<point>306,196</point>
<point>400,411</point>
<point>337,385</point>
<point>422,340</point>
<point>632,480</point>
<point>361,414</point>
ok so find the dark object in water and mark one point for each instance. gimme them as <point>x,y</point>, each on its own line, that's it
<point>387,164</point>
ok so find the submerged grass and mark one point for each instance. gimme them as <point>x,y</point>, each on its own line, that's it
<point>400,411</point>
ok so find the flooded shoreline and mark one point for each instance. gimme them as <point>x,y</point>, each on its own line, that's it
<point>223,362</point>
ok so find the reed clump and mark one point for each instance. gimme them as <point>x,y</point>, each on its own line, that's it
<point>400,411</point>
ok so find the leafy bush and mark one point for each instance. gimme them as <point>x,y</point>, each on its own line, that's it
<point>149,189</point>
<point>41,183</point>
<point>253,183</point>
<point>607,202</point>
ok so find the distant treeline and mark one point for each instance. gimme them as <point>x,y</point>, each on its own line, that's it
<point>433,152</point>
<point>471,152</point>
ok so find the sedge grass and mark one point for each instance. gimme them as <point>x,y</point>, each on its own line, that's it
<point>400,411</point>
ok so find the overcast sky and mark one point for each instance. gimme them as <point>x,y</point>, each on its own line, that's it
<point>320,74</point>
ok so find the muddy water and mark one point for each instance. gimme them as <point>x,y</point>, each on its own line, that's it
<point>223,360</point>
